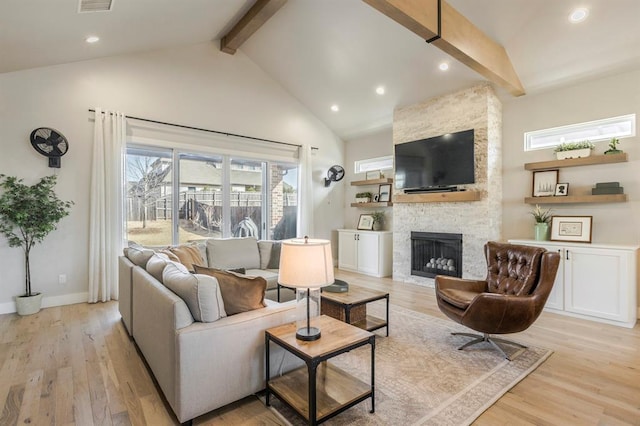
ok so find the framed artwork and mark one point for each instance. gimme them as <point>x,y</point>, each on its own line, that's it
<point>562,189</point>
<point>575,229</point>
<point>544,183</point>
<point>365,223</point>
<point>384,193</point>
<point>373,174</point>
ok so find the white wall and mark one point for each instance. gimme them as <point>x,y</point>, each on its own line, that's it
<point>606,97</point>
<point>378,144</point>
<point>197,86</point>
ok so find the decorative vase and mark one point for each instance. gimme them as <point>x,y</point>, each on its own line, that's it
<point>27,305</point>
<point>574,153</point>
<point>377,226</point>
<point>541,231</point>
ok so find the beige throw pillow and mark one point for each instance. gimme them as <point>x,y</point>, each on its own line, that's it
<point>201,293</point>
<point>188,255</point>
<point>138,254</point>
<point>240,293</point>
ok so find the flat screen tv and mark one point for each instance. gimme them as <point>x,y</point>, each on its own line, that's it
<point>435,163</point>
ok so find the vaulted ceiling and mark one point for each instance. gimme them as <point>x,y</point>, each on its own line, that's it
<point>337,51</point>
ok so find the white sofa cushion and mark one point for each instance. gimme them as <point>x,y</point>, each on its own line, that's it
<point>230,253</point>
<point>201,293</point>
<point>138,254</point>
<point>156,264</point>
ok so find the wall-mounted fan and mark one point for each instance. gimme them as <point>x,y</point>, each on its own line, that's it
<point>50,143</point>
<point>334,174</point>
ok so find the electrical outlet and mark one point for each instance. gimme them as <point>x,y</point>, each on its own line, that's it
<point>62,279</point>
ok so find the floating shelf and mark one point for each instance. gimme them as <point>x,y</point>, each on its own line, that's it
<point>371,182</point>
<point>573,162</point>
<point>438,197</point>
<point>371,205</point>
<point>575,199</point>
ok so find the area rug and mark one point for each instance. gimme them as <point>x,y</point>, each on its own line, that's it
<point>421,376</point>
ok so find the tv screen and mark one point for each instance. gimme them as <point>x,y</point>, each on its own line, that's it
<point>441,161</point>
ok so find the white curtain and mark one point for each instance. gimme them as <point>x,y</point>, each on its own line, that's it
<point>305,210</point>
<point>106,221</point>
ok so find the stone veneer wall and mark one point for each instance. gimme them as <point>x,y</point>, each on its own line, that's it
<point>477,221</point>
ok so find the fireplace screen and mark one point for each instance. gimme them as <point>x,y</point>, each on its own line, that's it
<point>436,254</point>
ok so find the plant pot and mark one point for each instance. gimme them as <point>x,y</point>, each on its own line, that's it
<point>541,231</point>
<point>363,200</point>
<point>575,153</point>
<point>377,226</point>
<point>28,305</point>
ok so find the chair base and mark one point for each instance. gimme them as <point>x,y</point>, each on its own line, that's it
<point>487,338</point>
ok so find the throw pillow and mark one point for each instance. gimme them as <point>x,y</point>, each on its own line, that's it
<point>240,293</point>
<point>228,253</point>
<point>201,293</point>
<point>274,259</point>
<point>138,254</point>
<point>172,257</point>
<point>156,265</point>
<point>187,254</point>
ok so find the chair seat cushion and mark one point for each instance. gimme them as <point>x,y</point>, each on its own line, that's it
<point>458,298</point>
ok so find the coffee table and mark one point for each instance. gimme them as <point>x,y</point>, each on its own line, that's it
<point>351,307</point>
<point>336,390</point>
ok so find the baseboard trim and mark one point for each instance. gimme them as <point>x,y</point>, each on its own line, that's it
<point>48,302</point>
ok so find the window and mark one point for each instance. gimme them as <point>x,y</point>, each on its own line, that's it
<point>595,131</point>
<point>207,196</point>
<point>379,163</point>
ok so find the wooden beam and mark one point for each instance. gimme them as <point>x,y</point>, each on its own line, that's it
<point>255,17</point>
<point>458,38</point>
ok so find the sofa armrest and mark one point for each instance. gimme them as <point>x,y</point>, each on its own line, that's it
<point>125,267</point>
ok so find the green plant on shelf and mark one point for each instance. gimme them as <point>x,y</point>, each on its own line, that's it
<point>540,215</point>
<point>613,146</point>
<point>572,146</point>
<point>364,195</point>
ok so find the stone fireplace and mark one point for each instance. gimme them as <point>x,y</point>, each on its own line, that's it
<point>476,222</point>
<point>436,253</point>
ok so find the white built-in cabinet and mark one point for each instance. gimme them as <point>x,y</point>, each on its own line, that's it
<point>594,281</point>
<point>366,252</point>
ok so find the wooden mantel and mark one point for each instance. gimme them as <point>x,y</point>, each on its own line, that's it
<point>455,35</point>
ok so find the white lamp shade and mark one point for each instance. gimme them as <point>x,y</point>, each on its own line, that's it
<point>306,263</point>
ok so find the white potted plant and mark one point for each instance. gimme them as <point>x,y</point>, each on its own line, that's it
<point>542,218</point>
<point>363,197</point>
<point>573,150</point>
<point>27,215</point>
<point>378,220</point>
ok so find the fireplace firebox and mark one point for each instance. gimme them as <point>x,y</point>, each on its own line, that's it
<point>436,253</point>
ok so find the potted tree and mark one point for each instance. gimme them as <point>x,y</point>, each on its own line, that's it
<point>573,150</point>
<point>378,220</point>
<point>27,215</point>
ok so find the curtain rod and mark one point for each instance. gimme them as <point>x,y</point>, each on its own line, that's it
<point>209,130</point>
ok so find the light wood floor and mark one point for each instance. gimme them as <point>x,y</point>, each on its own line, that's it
<point>76,365</point>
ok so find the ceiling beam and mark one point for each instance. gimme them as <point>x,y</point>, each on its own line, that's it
<point>458,37</point>
<point>255,17</point>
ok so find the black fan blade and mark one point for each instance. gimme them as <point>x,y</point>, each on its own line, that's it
<point>42,141</point>
<point>54,136</point>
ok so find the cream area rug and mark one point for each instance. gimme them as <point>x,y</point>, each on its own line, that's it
<point>421,378</point>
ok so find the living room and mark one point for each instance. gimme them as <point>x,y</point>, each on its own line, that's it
<point>195,84</point>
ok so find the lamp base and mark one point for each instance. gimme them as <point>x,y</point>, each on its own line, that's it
<point>308,334</point>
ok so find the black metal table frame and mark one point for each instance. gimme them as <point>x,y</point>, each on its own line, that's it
<point>348,306</point>
<point>312,366</point>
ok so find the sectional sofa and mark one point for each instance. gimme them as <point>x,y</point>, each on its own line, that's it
<point>201,357</point>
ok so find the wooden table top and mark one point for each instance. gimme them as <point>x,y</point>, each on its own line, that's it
<point>336,335</point>
<point>354,295</point>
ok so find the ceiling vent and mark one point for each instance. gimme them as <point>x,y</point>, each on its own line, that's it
<point>95,6</point>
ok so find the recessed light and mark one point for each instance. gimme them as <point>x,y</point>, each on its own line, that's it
<point>92,39</point>
<point>380,90</point>
<point>335,108</point>
<point>578,15</point>
<point>443,66</point>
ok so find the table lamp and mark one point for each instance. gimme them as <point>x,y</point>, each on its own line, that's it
<point>306,264</point>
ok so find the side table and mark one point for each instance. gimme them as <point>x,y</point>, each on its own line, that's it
<point>319,400</point>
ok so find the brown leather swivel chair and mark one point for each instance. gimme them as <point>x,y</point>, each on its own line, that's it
<point>519,280</point>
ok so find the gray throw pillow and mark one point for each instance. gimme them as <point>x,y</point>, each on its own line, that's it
<point>274,259</point>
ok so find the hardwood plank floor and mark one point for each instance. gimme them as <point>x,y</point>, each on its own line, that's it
<point>75,365</point>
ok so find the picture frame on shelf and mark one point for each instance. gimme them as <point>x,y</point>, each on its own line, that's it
<point>576,229</point>
<point>365,223</point>
<point>544,183</point>
<point>384,193</point>
<point>373,174</point>
<point>562,190</point>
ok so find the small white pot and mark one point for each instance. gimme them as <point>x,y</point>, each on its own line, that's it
<point>28,305</point>
<point>363,200</point>
<point>576,153</point>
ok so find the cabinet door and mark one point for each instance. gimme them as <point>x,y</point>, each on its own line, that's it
<point>556,297</point>
<point>596,281</point>
<point>368,253</point>
<point>347,251</point>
